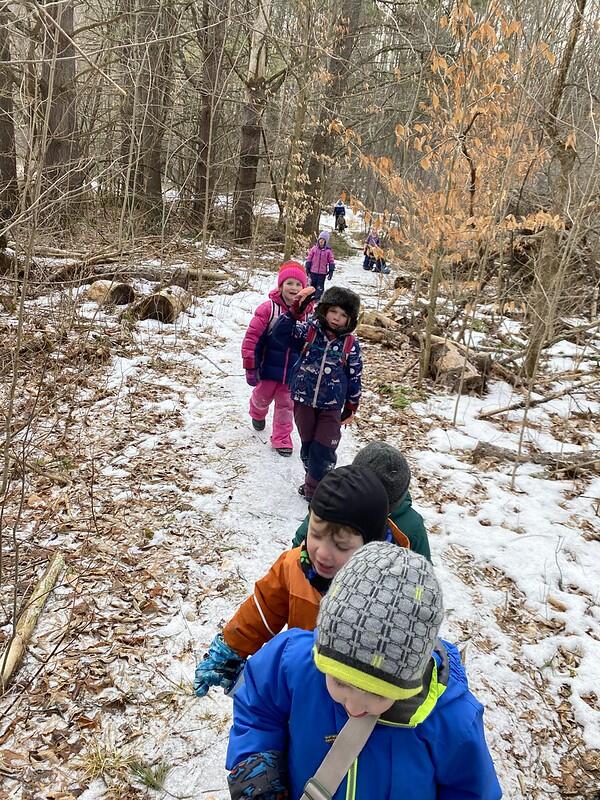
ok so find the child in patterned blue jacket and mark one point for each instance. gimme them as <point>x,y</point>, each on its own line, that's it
<point>325,382</point>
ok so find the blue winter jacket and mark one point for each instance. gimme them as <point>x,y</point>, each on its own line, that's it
<point>284,713</point>
<point>322,376</point>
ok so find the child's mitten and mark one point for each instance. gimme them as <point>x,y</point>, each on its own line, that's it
<point>259,776</point>
<point>301,302</point>
<point>221,666</point>
<point>252,377</point>
<point>330,273</point>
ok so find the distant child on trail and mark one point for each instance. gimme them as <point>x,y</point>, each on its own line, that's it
<point>268,362</point>
<point>320,263</point>
<point>326,379</point>
<point>348,509</point>
<point>373,686</point>
<point>393,471</point>
<point>339,216</point>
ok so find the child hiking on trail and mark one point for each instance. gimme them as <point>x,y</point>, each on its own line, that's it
<point>373,686</point>
<point>348,509</point>
<point>326,380</point>
<point>339,216</point>
<point>392,469</point>
<point>267,362</point>
<point>320,263</point>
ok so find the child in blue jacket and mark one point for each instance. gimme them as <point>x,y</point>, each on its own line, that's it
<point>325,381</point>
<point>375,652</point>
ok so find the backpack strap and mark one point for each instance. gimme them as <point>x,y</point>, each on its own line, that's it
<point>343,752</point>
<point>311,335</point>
<point>273,317</point>
<point>347,348</point>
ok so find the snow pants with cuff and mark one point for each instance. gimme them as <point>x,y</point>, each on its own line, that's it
<point>283,416</point>
<point>318,281</point>
<point>320,431</point>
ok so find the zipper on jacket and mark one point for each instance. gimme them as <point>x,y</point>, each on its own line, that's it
<point>318,385</point>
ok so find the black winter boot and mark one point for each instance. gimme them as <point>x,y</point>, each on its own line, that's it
<point>258,424</point>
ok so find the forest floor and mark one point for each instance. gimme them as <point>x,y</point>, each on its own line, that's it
<point>145,472</point>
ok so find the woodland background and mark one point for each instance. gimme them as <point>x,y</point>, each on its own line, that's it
<point>191,144</point>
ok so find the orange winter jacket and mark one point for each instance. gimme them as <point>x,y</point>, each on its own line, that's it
<point>283,597</point>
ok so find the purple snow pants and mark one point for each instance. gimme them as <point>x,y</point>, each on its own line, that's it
<point>320,431</point>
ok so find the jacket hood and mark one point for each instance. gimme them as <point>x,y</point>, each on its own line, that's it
<point>444,681</point>
<point>402,505</point>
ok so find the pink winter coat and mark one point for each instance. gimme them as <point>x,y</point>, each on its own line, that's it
<point>272,359</point>
<point>319,261</point>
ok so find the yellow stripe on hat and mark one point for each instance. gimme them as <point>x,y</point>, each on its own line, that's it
<point>360,680</point>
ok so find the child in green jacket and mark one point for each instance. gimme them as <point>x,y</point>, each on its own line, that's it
<point>392,469</point>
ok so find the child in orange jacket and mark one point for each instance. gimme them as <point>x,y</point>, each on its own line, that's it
<point>349,508</point>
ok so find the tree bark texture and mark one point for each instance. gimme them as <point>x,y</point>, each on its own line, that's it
<point>211,39</point>
<point>549,267</point>
<point>9,191</point>
<point>323,143</point>
<point>57,123</point>
<point>255,102</point>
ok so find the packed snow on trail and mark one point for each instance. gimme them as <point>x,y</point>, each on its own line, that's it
<point>191,506</point>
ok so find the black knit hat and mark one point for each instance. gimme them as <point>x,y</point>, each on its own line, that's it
<point>389,465</point>
<point>344,298</point>
<point>355,497</point>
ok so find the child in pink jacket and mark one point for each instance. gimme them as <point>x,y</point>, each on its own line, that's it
<point>268,362</point>
<point>320,264</point>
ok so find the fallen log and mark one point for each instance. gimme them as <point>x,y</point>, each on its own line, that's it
<point>559,462</point>
<point>376,319</point>
<point>165,305</point>
<point>111,293</point>
<point>11,658</point>
<point>449,367</point>
<point>376,334</point>
<point>78,275</point>
<point>536,402</point>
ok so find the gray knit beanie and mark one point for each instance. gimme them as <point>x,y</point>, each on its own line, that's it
<point>378,622</point>
<point>389,465</point>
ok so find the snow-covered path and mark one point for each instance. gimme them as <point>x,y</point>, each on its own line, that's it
<point>190,496</point>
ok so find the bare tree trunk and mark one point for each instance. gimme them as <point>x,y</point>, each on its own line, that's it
<point>323,143</point>
<point>212,37</point>
<point>549,268</point>
<point>254,107</point>
<point>61,167</point>
<point>9,191</point>
<point>148,68</point>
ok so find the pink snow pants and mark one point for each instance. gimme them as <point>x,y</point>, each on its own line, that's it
<point>283,417</point>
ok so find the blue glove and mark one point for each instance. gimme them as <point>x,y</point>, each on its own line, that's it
<point>221,666</point>
<point>252,377</point>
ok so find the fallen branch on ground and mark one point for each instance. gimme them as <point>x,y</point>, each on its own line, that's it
<point>595,378</point>
<point>572,462</point>
<point>15,650</point>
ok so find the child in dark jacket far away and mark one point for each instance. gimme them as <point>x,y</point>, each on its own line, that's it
<point>349,508</point>
<point>393,471</point>
<point>268,362</point>
<point>320,263</point>
<point>326,380</point>
<point>375,653</point>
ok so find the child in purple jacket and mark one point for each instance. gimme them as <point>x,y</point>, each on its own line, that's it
<point>320,264</point>
<point>268,361</point>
